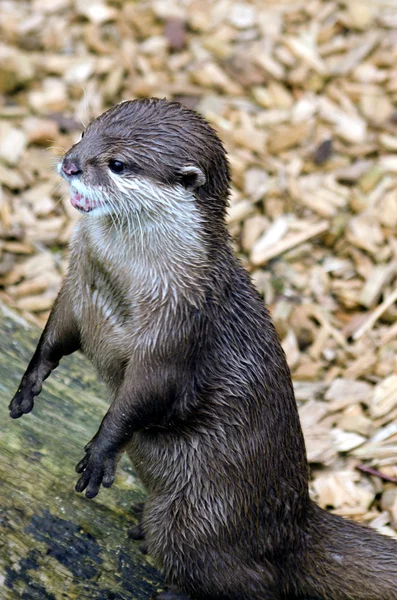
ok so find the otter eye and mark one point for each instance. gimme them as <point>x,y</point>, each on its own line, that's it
<point>116,166</point>
<point>82,135</point>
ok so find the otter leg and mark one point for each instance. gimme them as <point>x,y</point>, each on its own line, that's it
<point>59,338</point>
<point>144,548</point>
<point>204,572</point>
<point>136,532</point>
<point>143,399</point>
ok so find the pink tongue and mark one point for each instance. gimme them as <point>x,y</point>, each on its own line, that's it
<point>79,201</point>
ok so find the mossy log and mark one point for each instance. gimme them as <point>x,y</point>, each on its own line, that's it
<point>55,543</point>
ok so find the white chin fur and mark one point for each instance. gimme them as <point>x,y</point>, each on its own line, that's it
<point>97,211</point>
<point>146,196</point>
<point>82,189</point>
<point>96,197</point>
<point>137,195</point>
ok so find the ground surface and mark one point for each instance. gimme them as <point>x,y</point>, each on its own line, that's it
<point>304,94</point>
<point>56,544</point>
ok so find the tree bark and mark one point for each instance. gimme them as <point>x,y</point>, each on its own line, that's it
<point>54,543</point>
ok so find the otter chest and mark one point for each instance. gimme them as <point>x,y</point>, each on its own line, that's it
<point>132,292</point>
<point>121,313</point>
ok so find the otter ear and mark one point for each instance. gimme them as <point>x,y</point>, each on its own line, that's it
<point>191,177</point>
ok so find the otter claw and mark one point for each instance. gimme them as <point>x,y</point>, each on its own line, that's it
<point>96,469</point>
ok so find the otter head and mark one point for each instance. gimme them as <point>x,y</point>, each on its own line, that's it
<point>140,154</point>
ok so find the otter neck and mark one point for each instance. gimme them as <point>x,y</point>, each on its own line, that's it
<point>166,251</point>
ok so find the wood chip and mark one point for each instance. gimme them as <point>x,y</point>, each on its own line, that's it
<point>385,397</point>
<point>303,94</point>
<point>376,314</point>
<point>292,241</point>
<point>357,53</point>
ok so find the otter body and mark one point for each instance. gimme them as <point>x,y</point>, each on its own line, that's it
<point>201,395</point>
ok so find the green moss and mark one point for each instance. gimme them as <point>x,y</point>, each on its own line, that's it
<point>54,543</point>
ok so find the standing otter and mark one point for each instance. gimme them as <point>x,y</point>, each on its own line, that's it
<point>201,392</point>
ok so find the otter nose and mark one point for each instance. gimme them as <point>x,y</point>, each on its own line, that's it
<point>71,167</point>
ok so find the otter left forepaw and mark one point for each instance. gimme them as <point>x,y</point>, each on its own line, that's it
<point>97,467</point>
<point>22,403</point>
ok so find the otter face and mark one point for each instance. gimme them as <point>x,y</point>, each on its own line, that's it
<point>145,156</point>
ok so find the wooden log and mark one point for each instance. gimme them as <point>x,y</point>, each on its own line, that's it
<point>55,543</point>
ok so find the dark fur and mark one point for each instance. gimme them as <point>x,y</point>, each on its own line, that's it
<point>208,416</point>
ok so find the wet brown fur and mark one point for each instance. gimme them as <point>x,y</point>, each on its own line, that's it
<point>201,393</point>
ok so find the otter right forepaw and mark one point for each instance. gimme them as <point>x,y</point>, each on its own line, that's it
<point>23,402</point>
<point>97,468</point>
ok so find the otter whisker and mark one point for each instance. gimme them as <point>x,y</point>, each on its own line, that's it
<point>122,207</point>
<point>115,214</point>
<point>114,203</point>
<point>85,105</point>
<point>55,190</point>
<point>61,148</point>
<point>107,200</point>
<point>59,201</point>
<point>124,211</point>
<point>141,236</point>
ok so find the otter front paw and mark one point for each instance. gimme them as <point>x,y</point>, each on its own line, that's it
<point>97,467</point>
<point>23,401</point>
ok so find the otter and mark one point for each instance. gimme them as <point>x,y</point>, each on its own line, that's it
<point>201,394</point>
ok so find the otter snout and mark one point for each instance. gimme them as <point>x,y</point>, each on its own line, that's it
<point>71,167</point>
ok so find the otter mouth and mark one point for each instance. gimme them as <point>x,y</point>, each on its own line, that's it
<point>82,203</point>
